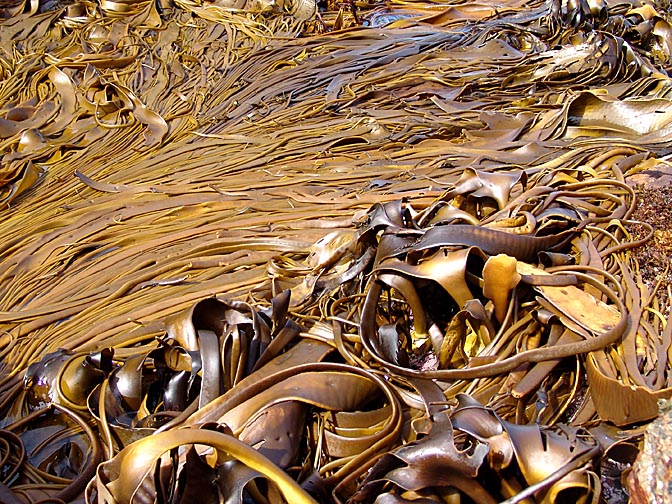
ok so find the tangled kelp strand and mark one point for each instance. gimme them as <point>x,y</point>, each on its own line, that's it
<point>218,230</point>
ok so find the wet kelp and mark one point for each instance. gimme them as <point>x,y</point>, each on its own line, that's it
<point>343,253</point>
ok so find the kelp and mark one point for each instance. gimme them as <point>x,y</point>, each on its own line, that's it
<point>298,251</point>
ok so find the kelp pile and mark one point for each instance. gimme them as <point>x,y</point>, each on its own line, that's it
<point>357,252</point>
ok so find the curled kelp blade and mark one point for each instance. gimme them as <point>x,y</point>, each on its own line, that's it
<point>471,417</point>
<point>349,433</point>
<point>275,415</point>
<point>55,443</point>
<point>298,357</point>
<point>276,418</point>
<point>133,399</point>
<point>148,389</point>
<point>22,177</point>
<point>554,460</point>
<point>229,339</point>
<point>114,484</point>
<point>447,268</point>
<point>356,390</point>
<point>408,467</point>
<point>551,461</point>
<point>65,378</point>
<point>468,332</point>
<point>478,185</point>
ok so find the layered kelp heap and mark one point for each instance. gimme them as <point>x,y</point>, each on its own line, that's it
<point>359,252</point>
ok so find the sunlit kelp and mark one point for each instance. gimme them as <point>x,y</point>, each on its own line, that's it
<point>340,249</point>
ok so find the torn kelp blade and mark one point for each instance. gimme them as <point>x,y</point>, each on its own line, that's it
<point>617,402</point>
<point>427,464</point>
<point>552,461</point>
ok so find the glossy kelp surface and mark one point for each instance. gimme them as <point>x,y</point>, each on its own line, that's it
<point>298,252</point>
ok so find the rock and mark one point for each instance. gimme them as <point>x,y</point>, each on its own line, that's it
<point>651,173</point>
<point>650,480</point>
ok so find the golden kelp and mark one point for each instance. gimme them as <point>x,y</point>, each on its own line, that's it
<point>262,251</point>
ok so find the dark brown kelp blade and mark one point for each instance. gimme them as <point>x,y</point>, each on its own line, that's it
<point>427,464</point>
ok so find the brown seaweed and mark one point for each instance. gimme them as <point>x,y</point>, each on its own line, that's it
<point>340,252</point>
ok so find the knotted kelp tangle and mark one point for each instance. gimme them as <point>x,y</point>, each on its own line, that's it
<point>336,252</point>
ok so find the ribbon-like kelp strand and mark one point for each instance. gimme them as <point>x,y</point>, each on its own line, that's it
<point>368,337</point>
